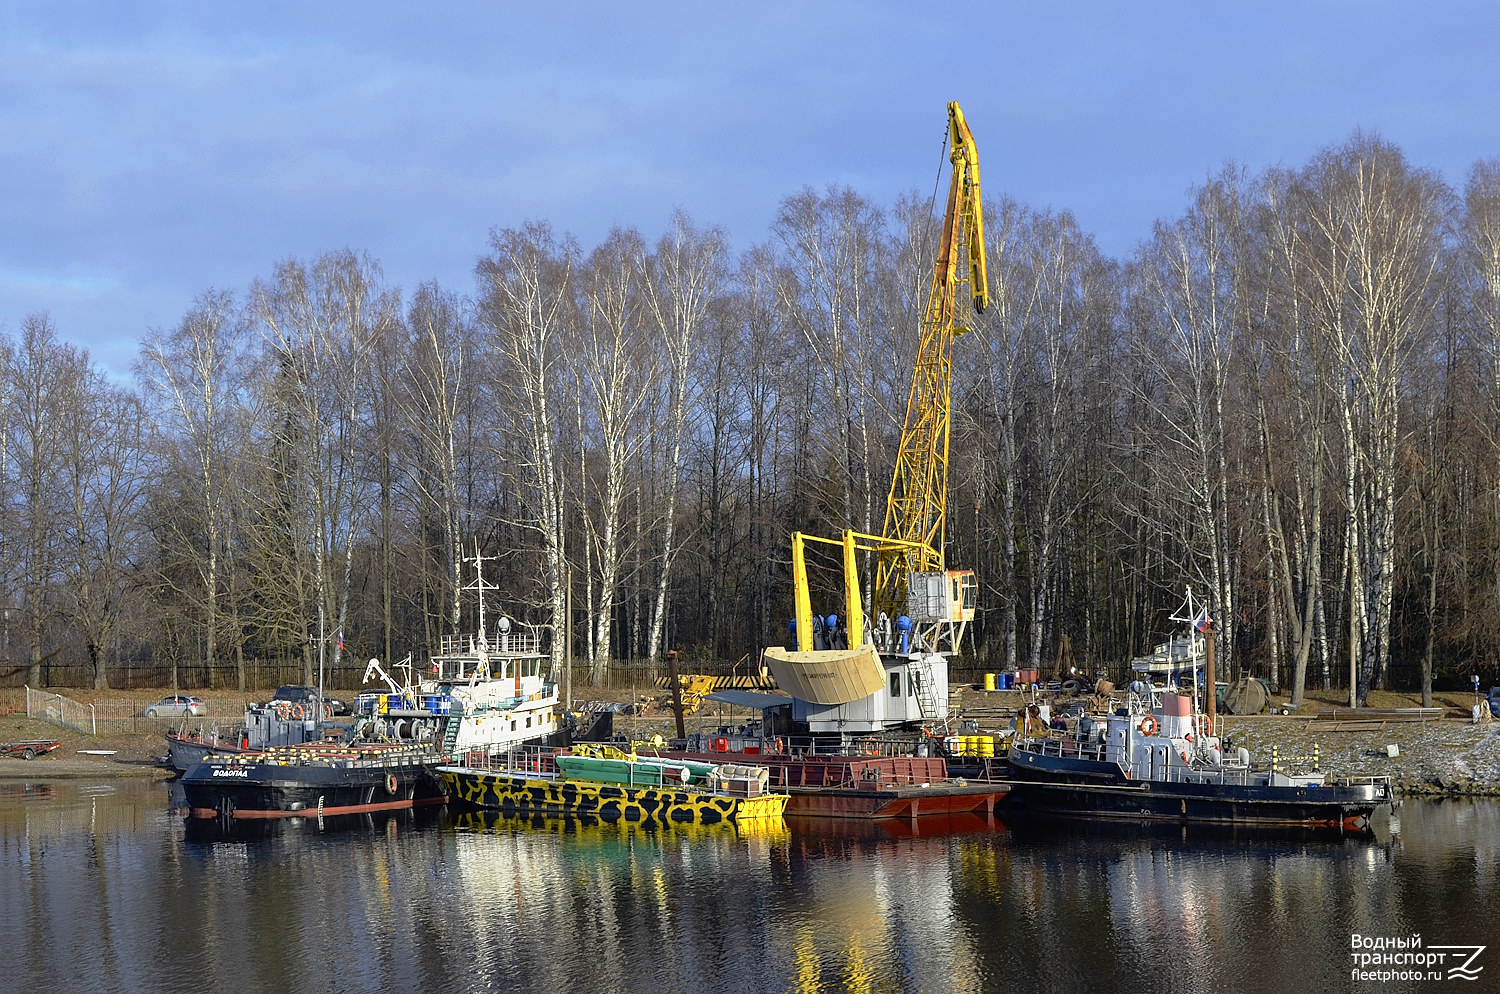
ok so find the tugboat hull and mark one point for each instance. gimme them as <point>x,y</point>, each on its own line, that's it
<point>216,789</point>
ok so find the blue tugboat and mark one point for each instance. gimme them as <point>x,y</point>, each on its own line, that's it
<point>1156,757</point>
<point>1155,764</point>
<point>315,779</point>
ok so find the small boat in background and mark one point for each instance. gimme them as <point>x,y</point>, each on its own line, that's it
<point>271,725</point>
<point>188,748</point>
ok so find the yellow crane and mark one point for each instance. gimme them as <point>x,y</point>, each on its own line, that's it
<point>912,580</point>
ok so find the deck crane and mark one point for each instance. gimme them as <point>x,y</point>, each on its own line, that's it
<point>920,607</point>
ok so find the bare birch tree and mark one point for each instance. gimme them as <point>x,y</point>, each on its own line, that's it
<point>41,374</point>
<point>1377,225</point>
<point>101,429</point>
<point>1192,283</point>
<point>829,245</point>
<point>679,283</point>
<point>526,286</point>
<point>617,371</point>
<point>319,325</point>
<point>193,376</point>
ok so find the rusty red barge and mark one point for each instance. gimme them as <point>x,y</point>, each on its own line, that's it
<point>867,787</point>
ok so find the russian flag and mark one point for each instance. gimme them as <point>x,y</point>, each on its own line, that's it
<point>1202,622</point>
<point>341,642</point>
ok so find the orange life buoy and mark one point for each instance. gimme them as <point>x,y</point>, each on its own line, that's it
<point>778,746</point>
<point>720,744</point>
<point>871,748</point>
<point>1148,725</point>
<point>297,713</point>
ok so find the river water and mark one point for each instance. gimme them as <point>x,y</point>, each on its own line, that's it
<point>104,888</point>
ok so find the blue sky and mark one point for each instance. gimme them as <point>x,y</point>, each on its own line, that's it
<point>151,151</point>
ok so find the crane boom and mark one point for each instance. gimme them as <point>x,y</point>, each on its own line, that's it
<point>916,510</point>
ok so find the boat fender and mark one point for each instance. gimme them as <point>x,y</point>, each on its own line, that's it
<point>1148,725</point>
<point>390,783</point>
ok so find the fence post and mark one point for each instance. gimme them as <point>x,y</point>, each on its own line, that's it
<point>93,721</point>
<point>28,701</point>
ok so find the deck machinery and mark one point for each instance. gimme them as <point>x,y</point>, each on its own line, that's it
<point>893,672</point>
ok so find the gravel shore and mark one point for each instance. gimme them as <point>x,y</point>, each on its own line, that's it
<point>1443,757</point>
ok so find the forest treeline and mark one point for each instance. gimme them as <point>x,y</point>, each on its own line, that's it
<point>1287,398</point>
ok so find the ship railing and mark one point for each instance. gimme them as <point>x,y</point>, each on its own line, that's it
<point>1366,780</point>
<point>1062,747</point>
<point>509,644</point>
<point>521,759</point>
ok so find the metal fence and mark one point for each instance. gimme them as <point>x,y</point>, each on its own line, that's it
<point>124,717</point>
<point>61,711</point>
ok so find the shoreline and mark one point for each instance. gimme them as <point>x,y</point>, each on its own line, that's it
<point>73,767</point>
<point>1441,757</point>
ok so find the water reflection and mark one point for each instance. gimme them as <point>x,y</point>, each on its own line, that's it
<point>103,888</point>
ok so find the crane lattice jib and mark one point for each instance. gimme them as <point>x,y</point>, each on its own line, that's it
<point>916,509</point>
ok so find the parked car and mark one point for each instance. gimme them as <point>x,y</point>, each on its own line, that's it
<point>1494,699</point>
<point>176,706</point>
<point>293,693</point>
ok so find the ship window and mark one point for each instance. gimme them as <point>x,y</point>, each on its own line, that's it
<point>528,723</point>
<point>895,683</point>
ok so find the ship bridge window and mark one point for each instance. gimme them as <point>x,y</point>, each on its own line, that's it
<point>895,683</point>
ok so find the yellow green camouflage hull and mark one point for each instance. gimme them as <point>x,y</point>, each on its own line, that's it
<point>515,793</point>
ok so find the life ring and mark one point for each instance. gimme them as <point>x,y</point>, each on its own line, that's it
<point>870,747</point>
<point>281,712</point>
<point>298,713</point>
<point>1148,725</point>
<point>390,783</point>
<point>778,746</point>
<point>720,744</point>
